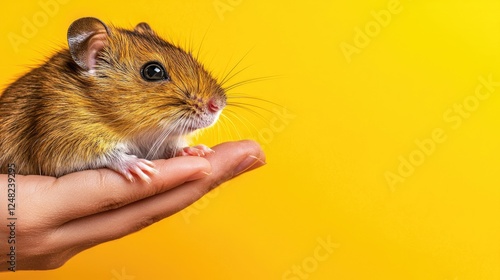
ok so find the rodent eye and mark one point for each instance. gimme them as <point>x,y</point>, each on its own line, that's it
<point>153,71</point>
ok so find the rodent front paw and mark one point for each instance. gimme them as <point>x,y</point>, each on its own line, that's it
<point>198,150</point>
<point>132,165</point>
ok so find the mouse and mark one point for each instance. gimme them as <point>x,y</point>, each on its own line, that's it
<point>113,98</point>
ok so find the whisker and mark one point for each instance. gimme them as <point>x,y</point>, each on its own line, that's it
<point>219,134</point>
<point>153,151</point>
<point>243,96</point>
<point>202,41</point>
<point>243,106</point>
<point>239,118</point>
<point>228,78</point>
<point>235,127</point>
<point>224,126</point>
<point>225,78</point>
<point>253,80</point>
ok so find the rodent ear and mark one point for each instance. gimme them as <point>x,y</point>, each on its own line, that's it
<point>143,28</point>
<point>86,37</point>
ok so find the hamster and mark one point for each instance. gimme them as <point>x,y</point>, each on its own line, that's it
<point>115,98</point>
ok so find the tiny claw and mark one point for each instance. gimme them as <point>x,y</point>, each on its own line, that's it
<point>199,151</point>
<point>142,175</point>
<point>205,149</point>
<point>129,177</point>
<point>133,165</point>
<point>148,166</point>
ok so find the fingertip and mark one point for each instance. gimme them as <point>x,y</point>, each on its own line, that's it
<point>203,170</point>
<point>244,148</point>
<point>194,168</point>
<point>255,150</point>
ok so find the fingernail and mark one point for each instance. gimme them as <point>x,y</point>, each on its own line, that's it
<point>251,162</point>
<point>206,173</point>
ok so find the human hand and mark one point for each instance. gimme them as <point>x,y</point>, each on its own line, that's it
<point>59,217</point>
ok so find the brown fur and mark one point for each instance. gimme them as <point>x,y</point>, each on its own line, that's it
<point>59,118</point>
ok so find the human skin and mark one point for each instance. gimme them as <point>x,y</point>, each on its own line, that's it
<point>59,217</point>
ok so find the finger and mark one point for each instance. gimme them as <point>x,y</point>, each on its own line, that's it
<point>230,159</point>
<point>102,227</point>
<point>250,153</point>
<point>88,192</point>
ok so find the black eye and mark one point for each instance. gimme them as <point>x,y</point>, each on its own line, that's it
<point>153,71</point>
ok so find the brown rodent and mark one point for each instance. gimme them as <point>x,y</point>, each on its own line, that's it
<point>115,98</point>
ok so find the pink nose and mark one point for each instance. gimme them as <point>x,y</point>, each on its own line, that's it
<point>213,106</point>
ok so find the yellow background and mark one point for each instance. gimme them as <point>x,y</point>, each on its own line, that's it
<point>347,124</point>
